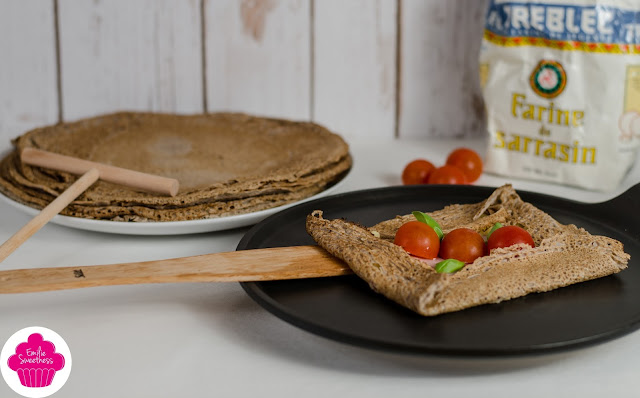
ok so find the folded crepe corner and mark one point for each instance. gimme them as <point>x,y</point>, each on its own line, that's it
<point>564,255</point>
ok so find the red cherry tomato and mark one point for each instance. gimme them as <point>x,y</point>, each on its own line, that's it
<point>463,244</point>
<point>507,236</point>
<point>468,161</point>
<point>417,172</point>
<point>447,175</point>
<point>418,239</point>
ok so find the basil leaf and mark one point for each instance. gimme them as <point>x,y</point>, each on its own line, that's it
<point>425,218</point>
<point>449,266</point>
<point>495,226</point>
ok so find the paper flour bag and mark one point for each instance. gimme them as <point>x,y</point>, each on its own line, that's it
<point>561,83</point>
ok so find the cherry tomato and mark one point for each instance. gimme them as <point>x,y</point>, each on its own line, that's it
<point>462,244</point>
<point>417,172</point>
<point>507,236</point>
<point>447,175</point>
<point>468,161</point>
<point>418,239</point>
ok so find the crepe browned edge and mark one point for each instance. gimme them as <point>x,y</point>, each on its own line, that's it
<point>275,162</point>
<point>564,255</point>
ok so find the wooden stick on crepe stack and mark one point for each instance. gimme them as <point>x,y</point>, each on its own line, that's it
<point>90,172</point>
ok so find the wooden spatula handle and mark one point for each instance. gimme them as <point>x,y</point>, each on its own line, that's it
<point>239,266</point>
<point>48,212</point>
<point>116,175</point>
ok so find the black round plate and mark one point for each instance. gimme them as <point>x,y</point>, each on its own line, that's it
<point>346,309</point>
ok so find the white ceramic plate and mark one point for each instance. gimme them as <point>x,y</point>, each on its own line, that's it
<point>170,227</point>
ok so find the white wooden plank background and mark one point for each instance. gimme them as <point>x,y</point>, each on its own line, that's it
<point>335,62</point>
<point>130,55</point>
<point>440,93</point>
<point>355,67</point>
<point>28,92</point>
<point>258,57</point>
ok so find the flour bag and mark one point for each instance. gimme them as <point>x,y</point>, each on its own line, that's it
<point>561,84</point>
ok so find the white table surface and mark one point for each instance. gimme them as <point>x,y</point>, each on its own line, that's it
<point>197,340</point>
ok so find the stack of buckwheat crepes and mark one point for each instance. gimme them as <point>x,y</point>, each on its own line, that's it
<point>226,163</point>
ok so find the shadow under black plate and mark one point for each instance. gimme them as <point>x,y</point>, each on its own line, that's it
<point>346,309</point>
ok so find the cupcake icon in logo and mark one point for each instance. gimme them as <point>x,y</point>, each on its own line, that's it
<point>36,362</point>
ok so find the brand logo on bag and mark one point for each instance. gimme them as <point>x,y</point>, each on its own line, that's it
<point>602,28</point>
<point>35,362</point>
<point>548,79</point>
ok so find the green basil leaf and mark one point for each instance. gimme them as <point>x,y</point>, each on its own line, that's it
<point>495,226</point>
<point>449,266</point>
<point>425,218</point>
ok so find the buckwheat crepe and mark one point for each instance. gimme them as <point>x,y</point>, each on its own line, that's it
<point>564,255</point>
<point>226,163</point>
